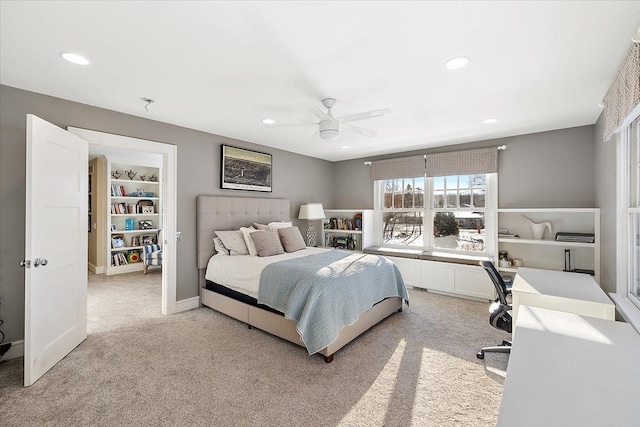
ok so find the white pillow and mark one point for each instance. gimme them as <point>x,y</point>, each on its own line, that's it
<point>246,234</point>
<point>234,241</point>
<point>276,225</point>
<point>217,243</point>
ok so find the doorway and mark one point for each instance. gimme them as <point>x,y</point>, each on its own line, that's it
<point>105,144</point>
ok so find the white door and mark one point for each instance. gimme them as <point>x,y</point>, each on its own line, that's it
<point>55,245</point>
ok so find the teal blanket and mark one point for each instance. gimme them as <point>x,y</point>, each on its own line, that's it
<point>328,291</point>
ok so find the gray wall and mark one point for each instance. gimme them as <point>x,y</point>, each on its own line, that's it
<point>198,173</point>
<point>541,170</point>
<point>605,182</point>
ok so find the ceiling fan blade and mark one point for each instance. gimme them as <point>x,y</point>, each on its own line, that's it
<point>287,125</point>
<point>361,131</point>
<point>316,111</point>
<point>362,116</point>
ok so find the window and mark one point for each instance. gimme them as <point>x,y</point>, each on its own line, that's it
<point>454,219</point>
<point>631,138</point>
<point>458,212</point>
<point>403,212</point>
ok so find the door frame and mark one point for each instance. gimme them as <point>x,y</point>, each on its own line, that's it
<point>169,154</point>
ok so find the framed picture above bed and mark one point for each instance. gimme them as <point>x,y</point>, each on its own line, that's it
<point>245,169</point>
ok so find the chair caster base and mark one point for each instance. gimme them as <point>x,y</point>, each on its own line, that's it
<point>480,354</point>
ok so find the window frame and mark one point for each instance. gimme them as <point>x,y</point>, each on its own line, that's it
<point>628,204</point>
<point>490,216</point>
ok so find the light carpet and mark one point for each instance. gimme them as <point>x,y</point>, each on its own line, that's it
<point>137,367</point>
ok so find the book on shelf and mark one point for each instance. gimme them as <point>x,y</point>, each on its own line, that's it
<point>575,237</point>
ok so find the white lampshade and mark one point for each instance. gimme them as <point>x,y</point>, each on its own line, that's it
<point>311,211</point>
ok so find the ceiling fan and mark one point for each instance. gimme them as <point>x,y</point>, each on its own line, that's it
<point>329,126</point>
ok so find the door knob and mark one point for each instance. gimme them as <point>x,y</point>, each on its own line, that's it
<point>39,261</point>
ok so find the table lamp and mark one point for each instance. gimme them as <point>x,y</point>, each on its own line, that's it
<point>311,212</point>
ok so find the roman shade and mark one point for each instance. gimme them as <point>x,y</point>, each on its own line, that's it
<point>623,95</point>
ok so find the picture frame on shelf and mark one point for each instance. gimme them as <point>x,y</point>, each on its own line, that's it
<point>135,241</point>
<point>145,224</point>
<point>148,239</point>
<point>243,169</point>
<point>117,241</point>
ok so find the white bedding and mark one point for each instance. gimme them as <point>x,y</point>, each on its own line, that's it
<point>242,272</point>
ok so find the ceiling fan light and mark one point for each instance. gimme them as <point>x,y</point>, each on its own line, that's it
<point>329,134</point>
<point>329,129</point>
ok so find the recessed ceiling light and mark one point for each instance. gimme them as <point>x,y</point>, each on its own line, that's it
<point>489,121</point>
<point>74,58</point>
<point>457,62</point>
<point>346,146</point>
<point>268,121</point>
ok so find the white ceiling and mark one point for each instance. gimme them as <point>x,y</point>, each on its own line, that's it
<point>221,67</point>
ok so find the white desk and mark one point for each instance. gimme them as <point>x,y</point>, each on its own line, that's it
<point>562,291</point>
<point>571,370</point>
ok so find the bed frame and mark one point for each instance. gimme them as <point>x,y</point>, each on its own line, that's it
<point>231,213</point>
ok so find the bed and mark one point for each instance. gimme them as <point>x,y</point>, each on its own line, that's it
<point>230,213</point>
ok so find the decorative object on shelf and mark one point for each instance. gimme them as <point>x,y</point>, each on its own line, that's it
<point>503,255</point>
<point>131,174</point>
<point>143,177</point>
<point>139,192</point>
<point>504,263</point>
<point>135,240</point>
<point>142,204</point>
<point>245,169</point>
<point>134,257</point>
<point>153,178</point>
<point>147,209</point>
<point>149,194</point>
<point>311,212</point>
<point>517,262</point>
<point>145,224</point>
<point>129,224</point>
<point>538,228</point>
<point>116,174</point>
<point>148,239</point>
<point>357,221</point>
<point>113,227</point>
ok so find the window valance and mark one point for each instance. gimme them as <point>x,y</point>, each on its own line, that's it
<point>466,162</point>
<point>402,167</point>
<point>624,93</point>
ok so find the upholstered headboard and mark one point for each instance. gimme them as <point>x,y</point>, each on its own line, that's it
<point>230,213</point>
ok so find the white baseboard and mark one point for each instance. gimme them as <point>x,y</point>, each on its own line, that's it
<point>95,269</point>
<point>187,304</point>
<point>16,350</point>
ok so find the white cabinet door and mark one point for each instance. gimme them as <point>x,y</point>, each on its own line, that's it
<point>474,281</point>
<point>56,245</point>
<point>410,270</point>
<point>437,275</point>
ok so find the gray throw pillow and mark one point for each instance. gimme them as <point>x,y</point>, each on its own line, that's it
<point>267,243</point>
<point>291,239</point>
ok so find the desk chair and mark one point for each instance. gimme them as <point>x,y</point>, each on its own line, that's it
<point>499,316</point>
